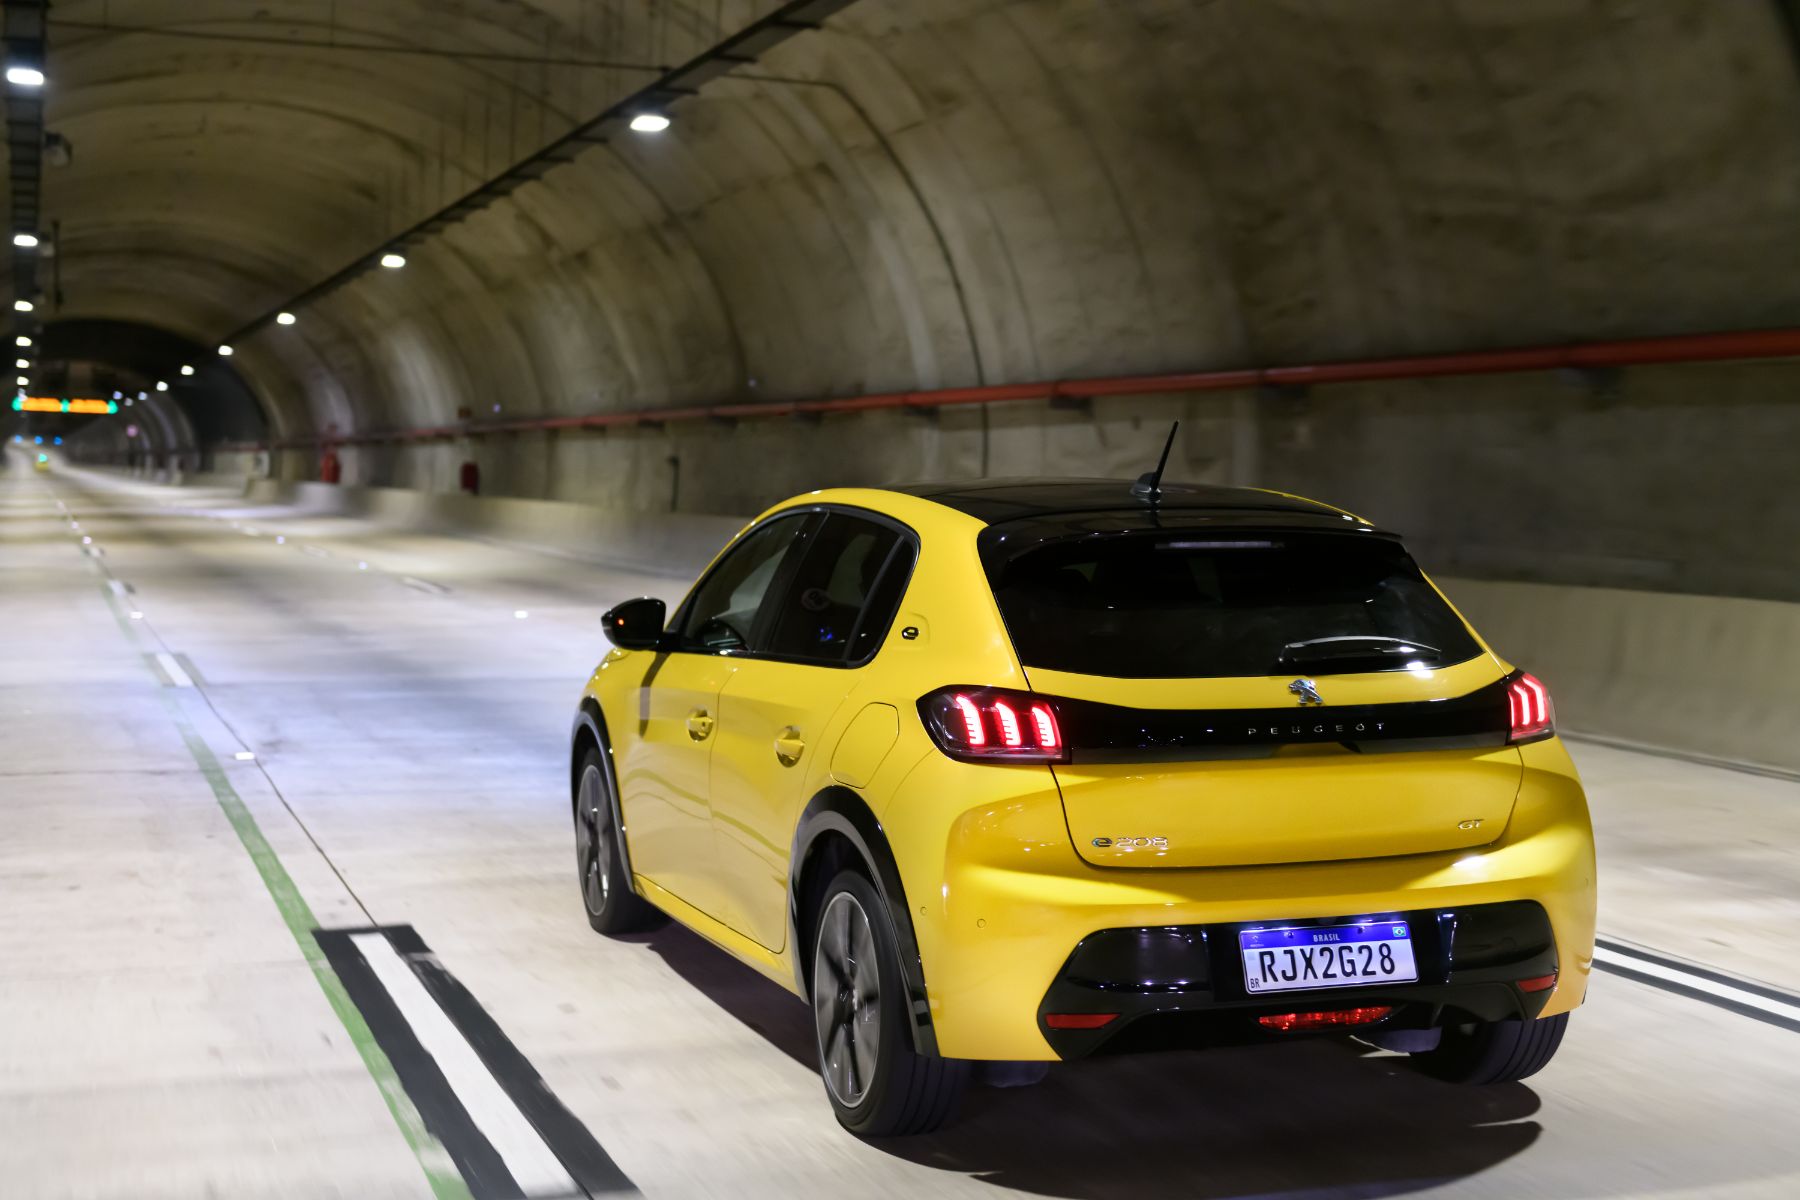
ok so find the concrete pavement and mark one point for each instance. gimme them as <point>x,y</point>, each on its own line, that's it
<point>164,1034</point>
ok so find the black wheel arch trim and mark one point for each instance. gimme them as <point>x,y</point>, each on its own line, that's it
<point>840,810</point>
<point>590,720</point>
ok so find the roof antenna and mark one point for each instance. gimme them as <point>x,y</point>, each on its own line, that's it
<point>1149,485</point>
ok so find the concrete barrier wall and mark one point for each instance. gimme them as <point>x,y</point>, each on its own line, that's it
<point>674,543</point>
<point>1708,676</point>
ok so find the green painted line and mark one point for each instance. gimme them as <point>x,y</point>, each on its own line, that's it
<point>440,1171</point>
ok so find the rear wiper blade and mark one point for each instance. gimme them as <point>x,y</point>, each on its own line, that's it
<point>1352,646</point>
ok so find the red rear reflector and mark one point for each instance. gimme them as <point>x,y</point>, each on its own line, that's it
<point>1079,1020</point>
<point>1289,1022</point>
<point>1542,983</point>
<point>1529,707</point>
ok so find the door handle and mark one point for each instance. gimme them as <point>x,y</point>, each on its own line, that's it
<point>699,724</point>
<point>789,746</point>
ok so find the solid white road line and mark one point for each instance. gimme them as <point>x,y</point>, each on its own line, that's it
<point>1699,983</point>
<point>172,669</point>
<point>533,1166</point>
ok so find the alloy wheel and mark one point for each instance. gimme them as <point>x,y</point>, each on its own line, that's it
<point>846,997</point>
<point>593,839</point>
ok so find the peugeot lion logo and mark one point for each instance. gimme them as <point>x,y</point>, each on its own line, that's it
<point>1307,690</point>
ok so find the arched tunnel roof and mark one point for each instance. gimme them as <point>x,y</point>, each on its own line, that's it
<point>914,195</point>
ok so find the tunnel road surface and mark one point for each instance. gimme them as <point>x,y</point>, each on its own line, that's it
<point>225,727</point>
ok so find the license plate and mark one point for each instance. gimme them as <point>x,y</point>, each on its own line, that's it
<point>1302,958</point>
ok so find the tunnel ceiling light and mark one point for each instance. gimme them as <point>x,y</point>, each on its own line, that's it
<point>23,76</point>
<point>392,261</point>
<point>285,318</point>
<point>21,340</point>
<point>187,370</point>
<point>161,386</point>
<point>24,364</point>
<point>224,351</point>
<point>25,241</point>
<point>23,381</point>
<point>23,306</point>
<point>649,122</point>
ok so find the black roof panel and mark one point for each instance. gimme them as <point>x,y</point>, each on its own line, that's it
<point>995,500</point>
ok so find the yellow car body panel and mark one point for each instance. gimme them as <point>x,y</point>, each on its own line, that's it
<point>999,881</point>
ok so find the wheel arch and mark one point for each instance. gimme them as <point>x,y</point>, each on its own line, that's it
<point>837,829</point>
<point>590,730</point>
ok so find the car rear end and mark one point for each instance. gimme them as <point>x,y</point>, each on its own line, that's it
<point>1263,781</point>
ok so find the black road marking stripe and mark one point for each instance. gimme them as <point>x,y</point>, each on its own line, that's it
<point>592,1169</point>
<point>443,1114</point>
<point>580,1154</point>
<point>1694,992</point>
<point>1686,968</point>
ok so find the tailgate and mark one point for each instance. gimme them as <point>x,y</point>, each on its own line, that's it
<point>1230,772</point>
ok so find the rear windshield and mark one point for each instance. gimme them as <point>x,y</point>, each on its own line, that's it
<point>1190,606</point>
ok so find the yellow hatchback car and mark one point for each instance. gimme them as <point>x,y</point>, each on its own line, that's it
<point>1030,770</point>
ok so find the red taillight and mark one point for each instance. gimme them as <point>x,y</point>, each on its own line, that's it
<point>1529,707</point>
<point>973,733</point>
<point>986,725</point>
<point>1295,1021</point>
<point>1008,721</point>
<point>1541,983</point>
<point>1079,1020</point>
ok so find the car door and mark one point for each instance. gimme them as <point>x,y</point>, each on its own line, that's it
<point>774,711</point>
<point>663,762</point>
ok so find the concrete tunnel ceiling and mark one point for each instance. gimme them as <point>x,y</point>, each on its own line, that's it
<point>917,195</point>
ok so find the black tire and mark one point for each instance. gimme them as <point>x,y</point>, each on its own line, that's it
<point>1492,1052</point>
<point>612,907</point>
<point>877,1084</point>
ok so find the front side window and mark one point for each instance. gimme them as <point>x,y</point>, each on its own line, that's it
<point>1142,606</point>
<point>721,619</point>
<point>843,597</point>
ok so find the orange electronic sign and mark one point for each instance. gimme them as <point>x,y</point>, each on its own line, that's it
<point>50,404</point>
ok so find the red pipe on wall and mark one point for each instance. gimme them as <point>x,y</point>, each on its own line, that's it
<point>1630,352</point>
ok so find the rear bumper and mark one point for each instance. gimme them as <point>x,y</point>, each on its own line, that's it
<point>1001,904</point>
<point>1181,987</point>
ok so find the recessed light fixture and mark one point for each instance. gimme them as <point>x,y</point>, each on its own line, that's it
<point>519,614</point>
<point>23,381</point>
<point>161,386</point>
<point>224,351</point>
<point>143,395</point>
<point>392,261</point>
<point>24,364</point>
<point>284,318</point>
<point>187,370</point>
<point>23,306</point>
<point>25,241</point>
<point>649,122</point>
<point>21,340</point>
<point>245,756</point>
<point>25,77</point>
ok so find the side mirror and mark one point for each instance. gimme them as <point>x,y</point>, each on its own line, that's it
<point>636,624</point>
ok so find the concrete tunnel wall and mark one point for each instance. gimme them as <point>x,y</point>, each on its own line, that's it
<point>931,193</point>
<point>990,192</point>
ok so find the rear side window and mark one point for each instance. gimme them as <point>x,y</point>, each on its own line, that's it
<point>842,599</point>
<point>1189,606</point>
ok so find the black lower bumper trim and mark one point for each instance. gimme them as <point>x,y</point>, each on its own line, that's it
<point>1182,987</point>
